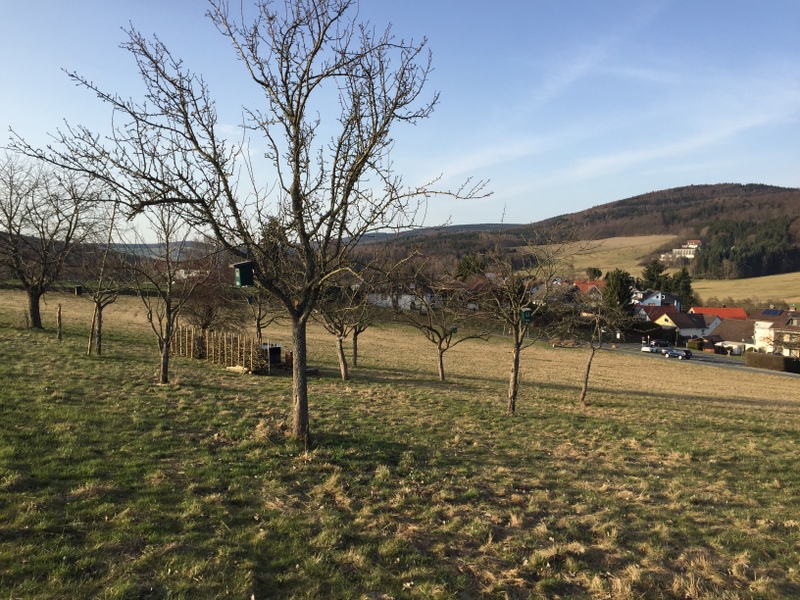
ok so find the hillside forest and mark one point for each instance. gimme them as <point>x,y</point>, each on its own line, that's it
<point>748,230</point>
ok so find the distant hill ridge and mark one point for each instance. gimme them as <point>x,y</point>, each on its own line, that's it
<point>748,230</point>
<point>676,211</point>
<point>684,211</point>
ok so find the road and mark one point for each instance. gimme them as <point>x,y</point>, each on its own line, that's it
<point>706,358</point>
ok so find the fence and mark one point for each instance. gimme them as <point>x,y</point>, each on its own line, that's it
<point>226,349</point>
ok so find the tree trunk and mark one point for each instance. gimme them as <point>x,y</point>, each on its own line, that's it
<point>300,424</point>
<point>90,346</point>
<point>34,311</point>
<point>99,332</point>
<point>513,384</point>
<point>164,376</point>
<point>585,387</point>
<point>59,330</point>
<point>355,349</point>
<point>342,358</point>
<point>441,364</point>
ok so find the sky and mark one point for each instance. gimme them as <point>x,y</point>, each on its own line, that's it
<point>560,104</point>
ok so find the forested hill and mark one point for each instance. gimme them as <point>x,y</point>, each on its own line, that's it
<point>747,229</point>
<point>684,211</point>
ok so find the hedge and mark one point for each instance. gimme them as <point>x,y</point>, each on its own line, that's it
<point>774,362</point>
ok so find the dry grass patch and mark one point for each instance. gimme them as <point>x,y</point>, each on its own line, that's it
<point>678,479</point>
<point>759,289</point>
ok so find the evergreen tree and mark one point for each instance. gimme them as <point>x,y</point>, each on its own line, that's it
<point>617,292</point>
<point>681,284</point>
<point>654,276</point>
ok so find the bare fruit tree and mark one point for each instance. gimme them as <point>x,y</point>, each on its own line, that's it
<point>445,312</point>
<point>345,310</point>
<point>604,313</point>
<point>263,311</point>
<point>45,215</point>
<point>165,274</point>
<point>332,91</point>
<point>522,291</point>
<point>101,262</point>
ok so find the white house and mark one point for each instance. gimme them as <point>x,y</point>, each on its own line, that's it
<point>659,298</point>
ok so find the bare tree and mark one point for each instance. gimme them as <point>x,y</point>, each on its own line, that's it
<point>363,315</point>
<point>444,312</point>
<point>166,274</point>
<point>602,314</point>
<point>344,310</point>
<point>522,292</point>
<point>263,311</point>
<point>214,304</point>
<point>45,214</point>
<point>103,290</point>
<point>333,90</point>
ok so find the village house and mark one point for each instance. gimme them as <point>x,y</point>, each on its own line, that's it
<point>590,288</point>
<point>688,326</point>
<point>657,298</point>
<point>777,331</point>
<point>735,336</point>
<point>653,313</point>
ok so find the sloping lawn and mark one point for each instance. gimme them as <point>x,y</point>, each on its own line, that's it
<point>677,481</point>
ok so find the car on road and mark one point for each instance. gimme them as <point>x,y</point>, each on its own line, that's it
<point>657,346</point>
<point>679,353</point>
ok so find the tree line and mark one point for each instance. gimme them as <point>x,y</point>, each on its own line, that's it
<point>333,92</point>
<point>737,249</point>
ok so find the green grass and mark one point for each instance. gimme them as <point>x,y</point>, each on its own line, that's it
<point>678,481</point>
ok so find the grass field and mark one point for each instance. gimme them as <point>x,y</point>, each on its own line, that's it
<point>627,253</point>
<point>678,481</point>
<point>784,287</point>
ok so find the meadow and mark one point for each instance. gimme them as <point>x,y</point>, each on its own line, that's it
<point>628,254</point>
<point>678,480</point>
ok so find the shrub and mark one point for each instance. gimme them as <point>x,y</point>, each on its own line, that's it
<point>695,344</point>
<point>774,362</point>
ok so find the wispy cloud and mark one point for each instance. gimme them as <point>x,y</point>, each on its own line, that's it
<point>591,57</point>
<point>720,119</point>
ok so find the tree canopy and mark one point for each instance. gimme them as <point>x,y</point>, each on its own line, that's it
<point>332,91</point>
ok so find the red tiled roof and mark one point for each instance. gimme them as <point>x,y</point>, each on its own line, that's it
<point>586,286</point>
<point>722,312</point>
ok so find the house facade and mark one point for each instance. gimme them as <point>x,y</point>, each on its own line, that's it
<point>778,332</point>
<point>658,298</point>
<point>653,313</point>
<point>735,336</point>
<point>689,326</point>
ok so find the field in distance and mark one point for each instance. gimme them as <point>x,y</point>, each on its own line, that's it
<point>624,253</point>
<point>627,253</point>
<point>679,480</point>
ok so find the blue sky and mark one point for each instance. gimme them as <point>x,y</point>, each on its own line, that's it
<point>561,104</point>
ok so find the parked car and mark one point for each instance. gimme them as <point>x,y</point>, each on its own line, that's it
<point>657,346</point>
<point>679,353</point>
